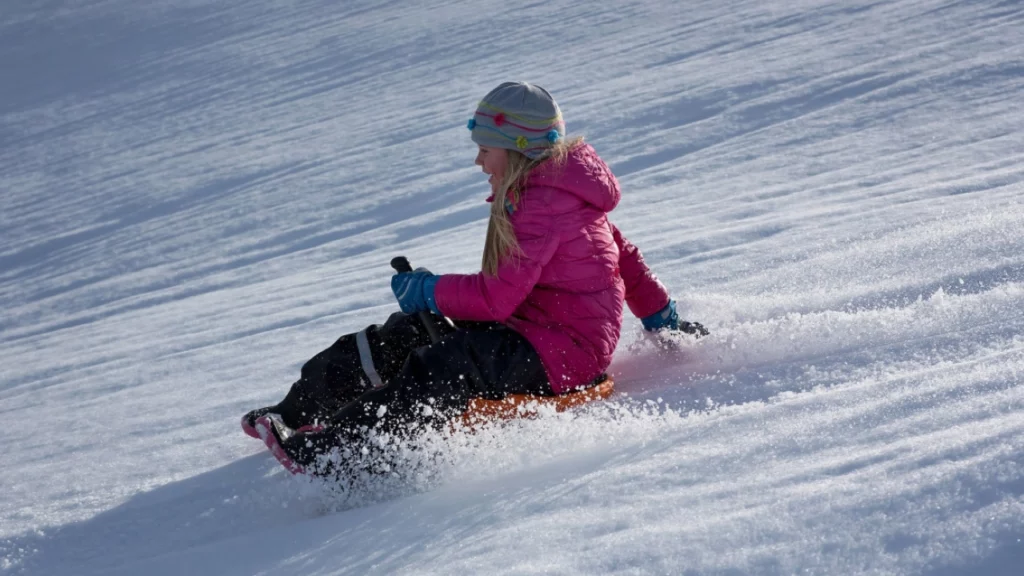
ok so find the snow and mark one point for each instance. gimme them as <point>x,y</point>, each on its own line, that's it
<point>197,196</point>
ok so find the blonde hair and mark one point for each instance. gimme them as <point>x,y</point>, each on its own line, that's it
<point>501,240</point>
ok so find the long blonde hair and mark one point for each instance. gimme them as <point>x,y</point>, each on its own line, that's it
<point>501,240</point>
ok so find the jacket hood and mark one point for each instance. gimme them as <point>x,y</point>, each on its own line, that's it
<point>584,175</point>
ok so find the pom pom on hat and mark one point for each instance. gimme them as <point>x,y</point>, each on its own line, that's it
<point>553,136</point>
<point>471,124</point>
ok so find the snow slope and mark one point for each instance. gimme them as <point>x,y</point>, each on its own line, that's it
<point>196,196</point>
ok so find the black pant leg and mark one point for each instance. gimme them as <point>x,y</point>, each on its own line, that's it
<point>336,376</point>
<point>437,381</point>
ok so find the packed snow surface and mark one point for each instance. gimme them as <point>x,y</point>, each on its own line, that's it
<point>196,196</point>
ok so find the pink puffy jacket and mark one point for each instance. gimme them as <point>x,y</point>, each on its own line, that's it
<point>565,292</point>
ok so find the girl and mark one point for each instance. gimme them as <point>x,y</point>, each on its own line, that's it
<point>542,317</point>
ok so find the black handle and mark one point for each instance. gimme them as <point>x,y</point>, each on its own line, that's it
<point>401,264</point>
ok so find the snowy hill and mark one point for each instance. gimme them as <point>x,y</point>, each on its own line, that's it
<point>196,196</point>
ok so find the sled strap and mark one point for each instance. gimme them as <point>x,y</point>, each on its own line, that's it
<point>366,359</point>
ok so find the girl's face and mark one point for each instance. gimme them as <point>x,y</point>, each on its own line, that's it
<point>493,161</point>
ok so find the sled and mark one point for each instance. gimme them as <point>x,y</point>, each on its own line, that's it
<point>272,431</point>
<point>483,411</point>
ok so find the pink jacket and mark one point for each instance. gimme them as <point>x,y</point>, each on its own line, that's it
<point>565,293</point>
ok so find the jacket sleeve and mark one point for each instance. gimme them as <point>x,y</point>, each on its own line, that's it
<point>494,298</point>
<point>645,294</point>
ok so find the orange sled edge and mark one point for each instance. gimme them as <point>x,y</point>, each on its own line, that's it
<point>512,406</point>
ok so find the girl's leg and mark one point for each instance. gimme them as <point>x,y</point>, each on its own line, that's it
<point>435,384</point>
<point>438,381</point>
<point>352,365</point>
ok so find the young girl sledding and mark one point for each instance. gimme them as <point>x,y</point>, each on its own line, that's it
<point>543,316</point>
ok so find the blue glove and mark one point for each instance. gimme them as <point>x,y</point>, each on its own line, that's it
<point>415,291</point>
<point>668,318</point>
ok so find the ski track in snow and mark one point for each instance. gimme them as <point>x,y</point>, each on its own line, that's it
<point>197,196</point>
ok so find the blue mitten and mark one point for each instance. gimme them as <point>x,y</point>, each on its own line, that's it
<point>668,318</point>
<point>415,291</point>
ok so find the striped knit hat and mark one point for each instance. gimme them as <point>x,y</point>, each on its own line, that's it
<point>518,116</point>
